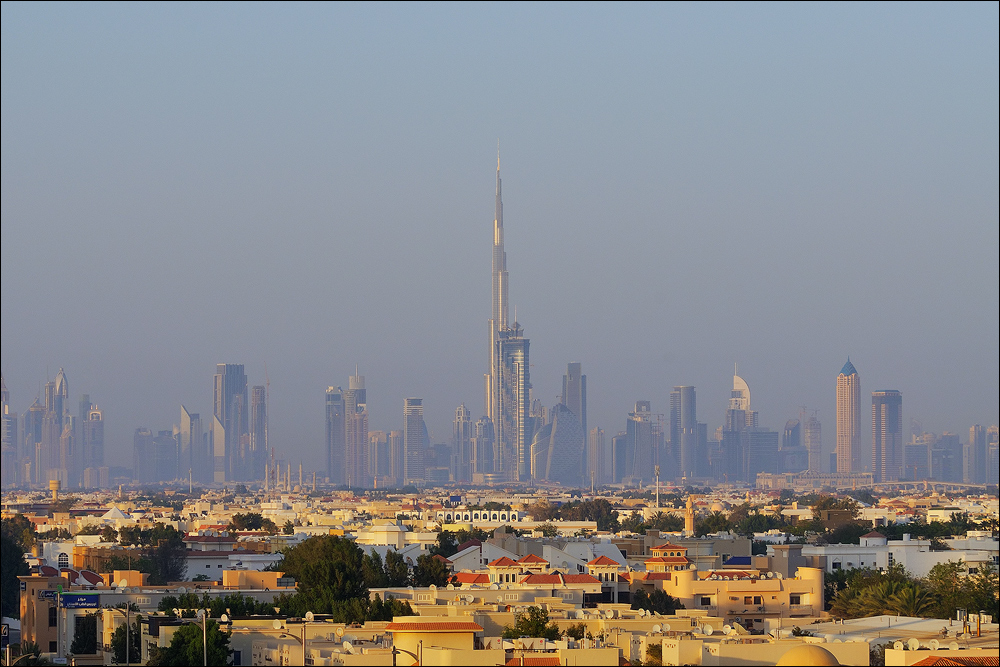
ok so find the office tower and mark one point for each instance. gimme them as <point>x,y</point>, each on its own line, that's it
<point>993,454</point>
<point>499,310</point>
<point>887,436</point>
<point>192,457</point>
<point>557,452</point>
<point>739,415</point>
<point>335,434</point>
<point>164,456</point>
<point>92,437</point>
<point>229,403</point>
<point>946,458</point>
<point>639,455</point>
<point>684,433</point>
<point>514,426</point>
<point>378,458</point>
<point>813,441</point>
<point>31,455</point>
<point>792,435</point>
<point>735,462</point>
<point>356,433</point>
<point>396,459</point>
<point>8,439</point>
<point>217,447</point>
<point>761,454</point>
<point>976,459</point>
<point>483,447</point>
<point>917,456</point>
<point>463,432</point>
<point>849,455</point>
<point>414,440</point>
<point>574,393</point>
<point>621,469</point>
<point>598,458</point>
<point>142,456</point>
<point>257,456</point>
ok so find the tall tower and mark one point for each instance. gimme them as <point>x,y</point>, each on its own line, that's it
<point>849,458</point>
<point>684,430</point>
<point>574,393</point>
<point>812,438</point>
<point>976,460</point>
<point>335,451</point>
<point>887,436</point>
<point>462,438</point>
<point>191,446</point>
<point>230,409</point>
<point>356,436</point>
<point>499,310</point>
<point>257,456</point>
<point>8,443</point>
<point>414,440</point>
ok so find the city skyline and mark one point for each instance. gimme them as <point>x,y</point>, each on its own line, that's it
<point>656,234</point>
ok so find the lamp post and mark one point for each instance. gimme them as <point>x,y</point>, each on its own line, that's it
<point>128,632</point>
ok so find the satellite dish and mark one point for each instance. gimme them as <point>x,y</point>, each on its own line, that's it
<point>433,587</point>
<point>726,629</point>
<point>656,629</point>
<point>913,644</point>
<point>953,646</point>
<point>580,614</point>
<point>709,630</point>
<point>122,583</point>
<point>898,645</point>
<point>348,647</point>
<point>494,587</point>
<point>666,627</point>
<point>934,644</point>
<point>781,576</point>
<point>339,632</point>
<point>610,613</point>
<point>699,630</point>
<point>451,587</point>
<point>770,575</point>
<point>182,590</point>
<point>276,624</point>
<point>310,616</point>
<point>642,612</point>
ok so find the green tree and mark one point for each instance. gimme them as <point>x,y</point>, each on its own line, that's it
<point>848,533</point>
<point>327,569</point>
<point>534,622</point>
<point>983,589</point>
<point>85,635</point>
<point>666,522</point>
<point>288,528</point>
<point>374,571</point>
<point>385,611</point>
<point>119,642</point>
<point>21,529</point>
<point>713,523</point>
<point>548,530</point>
<point>948,584</point>
<point>396,569</point>
<point>187,647</point>
<point>576,631</point>
<point>12,565</point>
<point>912,600</point>
<point>447,544</point>
<point>430,570</point>
<point>657,601</point>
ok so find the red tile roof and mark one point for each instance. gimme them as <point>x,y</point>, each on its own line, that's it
<point>874,533</point>
<point>581,579</point>
<point>531,558</point>
<point>503,562</point>
<point>533,661</point>
<point>674,560</point>
<point>603,560</point>
<point>540,579</point>
<point>472,578</point>
<point>447,626</point>
<point>469,543</point>
<point>669,547</point>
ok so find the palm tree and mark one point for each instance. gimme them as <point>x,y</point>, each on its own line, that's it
<point>912,601</point>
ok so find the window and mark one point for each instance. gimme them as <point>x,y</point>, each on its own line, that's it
<point>836,565</point>
<point>757,600</point>
<point>142,600</point>
<point>52,617</point>
<point>706,601</point>
<point>794,599</point>
<point>219,566</point>
<point>973,570</point>
<point>237,658</point>
<point>207,566</point>
<point>53,647</point>
<point>748,599</point>
<point>63,560</point>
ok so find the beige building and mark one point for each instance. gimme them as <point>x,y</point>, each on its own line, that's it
<point>849,412</point>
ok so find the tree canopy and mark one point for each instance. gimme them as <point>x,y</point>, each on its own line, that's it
<point>534,622</point>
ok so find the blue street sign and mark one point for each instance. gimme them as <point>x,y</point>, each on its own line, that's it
<point>80,600</point>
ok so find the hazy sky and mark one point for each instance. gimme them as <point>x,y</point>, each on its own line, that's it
<point>685,187</point>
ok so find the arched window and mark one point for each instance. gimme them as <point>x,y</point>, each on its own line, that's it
<point>63,560</point>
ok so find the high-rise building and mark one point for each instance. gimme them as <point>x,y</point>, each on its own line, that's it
<point>598,458</point>
<point>639,451</point>
<point>143,470</point>
<point>508,384</point>
<point>514,426</point>
<point>574,393</point>
<point>621,462</point>
<point>378,458</point>
<point>813,441</point>
<point>396,458</point>
<point>193,459</point>
<point>356,434</point>
<point>887,436</point>
<point>92,437</point>
<point>8,439</point>
<point>230,408</point>
<point>684,434</point>
<point>483,447</point>
<point>557,453</point>
<point>462,435</point>
<point>976,457</point>
<point>335,434</point>
<point>32,454</point>
<point>257,456</point>
<point>414,440</point>
<point>735,461</point>
<point>850,458</point>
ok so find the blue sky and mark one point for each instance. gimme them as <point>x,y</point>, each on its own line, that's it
<point>686,186</point>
